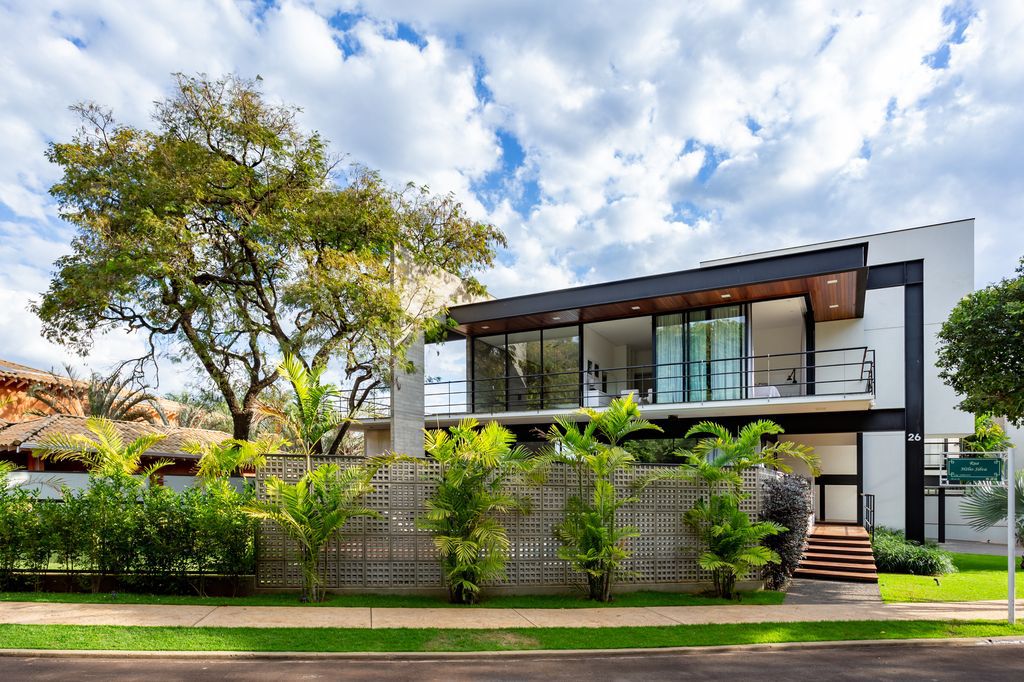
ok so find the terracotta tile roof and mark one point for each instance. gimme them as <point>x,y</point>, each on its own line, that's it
<point>27,433</point>
<point>12,370</point>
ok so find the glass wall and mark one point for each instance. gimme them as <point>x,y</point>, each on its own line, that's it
<point>561,367</point>
<point>489,373</point>
<point>710,344</point>
<point>532,370</point>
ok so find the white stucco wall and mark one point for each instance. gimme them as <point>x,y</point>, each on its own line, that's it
<point>884,476</point>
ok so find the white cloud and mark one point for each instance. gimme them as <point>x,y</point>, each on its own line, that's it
<point>823,119</point>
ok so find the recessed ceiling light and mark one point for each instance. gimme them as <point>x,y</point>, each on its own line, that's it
<point>834,305</point>
<point>832,281</point>
<point>726,295</point>
<point>485,327</point>
<point>556,317</point>
<point>634,307</point>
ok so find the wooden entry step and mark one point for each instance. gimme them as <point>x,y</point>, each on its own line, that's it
<point>838,552</point>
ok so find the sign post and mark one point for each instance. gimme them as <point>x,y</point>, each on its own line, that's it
<point>1011,539</point>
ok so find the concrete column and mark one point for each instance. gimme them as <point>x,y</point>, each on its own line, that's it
<point>407,405</point>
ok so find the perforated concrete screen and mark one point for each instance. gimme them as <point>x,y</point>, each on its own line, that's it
<point>391,553</point>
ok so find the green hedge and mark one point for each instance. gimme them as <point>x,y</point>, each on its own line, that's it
<point>895,554</point>
<point>151,538</point>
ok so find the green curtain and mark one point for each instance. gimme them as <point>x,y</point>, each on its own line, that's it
<point>669,369</point>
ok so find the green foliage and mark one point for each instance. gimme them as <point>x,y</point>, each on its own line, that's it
<point>592,539</point>
<point>984,506</point>
<point>202,408</point>
<point>732,543</point>
<point>472,489</point>
<point>311,414</point>
<point>981,350</point>
<point>145,538</point>
<point>787,502</point>
<point>219,461</point>
<point>227,231</point>
<point>106,455</point>
<point>988,436</point>
<point>315,508</point>
<point>657,449</point>
<point>111,397</point>
<point>895,554</point>
<point>721,457</point>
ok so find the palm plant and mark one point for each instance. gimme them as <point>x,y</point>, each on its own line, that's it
<point>732,542</point>
<point>313,509</point>
<point>592,539</point>
<point>201,409</point>
<point>218,461</point>
<point>312,414</point>
<point>984,506</point>
<point>476,466</point>
<point>111,397</point>
<point>106,455</point>
<point>721,457</point>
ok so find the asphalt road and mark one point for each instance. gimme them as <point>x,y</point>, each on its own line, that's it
<point>1000,661</point>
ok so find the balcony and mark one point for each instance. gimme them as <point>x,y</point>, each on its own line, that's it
<point>787,381</point>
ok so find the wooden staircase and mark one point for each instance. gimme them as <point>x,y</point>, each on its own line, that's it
<point>838,552</point>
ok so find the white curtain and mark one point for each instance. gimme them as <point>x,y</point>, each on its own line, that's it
<point>668,345</point>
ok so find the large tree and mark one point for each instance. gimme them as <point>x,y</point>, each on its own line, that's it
<point>981,349</point>
<point>229,236</point>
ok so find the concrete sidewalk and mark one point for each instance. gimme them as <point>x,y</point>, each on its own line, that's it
<point>38,613</point>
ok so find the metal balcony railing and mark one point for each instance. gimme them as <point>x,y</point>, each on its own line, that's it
<point>836,372</point>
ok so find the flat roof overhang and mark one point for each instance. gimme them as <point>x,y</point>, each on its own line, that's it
<point>834,279</point>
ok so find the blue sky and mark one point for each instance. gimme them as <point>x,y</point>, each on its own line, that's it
<point>605,140</point>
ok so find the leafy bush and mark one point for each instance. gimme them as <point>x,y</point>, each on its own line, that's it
<point>150,538</point>
<point>732,544</point>
<point>472,489</point>
<point>787,502</point>
<point>895,554</point>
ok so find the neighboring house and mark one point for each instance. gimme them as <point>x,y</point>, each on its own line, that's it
<point>16,404</point>
<point>19,439</point>
<point>835,341</point>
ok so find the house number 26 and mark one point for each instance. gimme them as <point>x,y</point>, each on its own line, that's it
<point>913,437</point>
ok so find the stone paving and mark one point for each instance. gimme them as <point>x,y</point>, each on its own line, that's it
<point>482,618</point>
<point>804,591</point>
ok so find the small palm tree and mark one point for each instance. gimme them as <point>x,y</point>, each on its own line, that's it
<point>721,457</point>
<point>111,397</point>
<point>592,539</point>
<point>984,506</point>
<point>106,455</point>
<point>988,436</point>
<point>313,509</point>
<point>476,465</point>
<point>218,461</point>
<point>732,542</point>
<point>312,414</point>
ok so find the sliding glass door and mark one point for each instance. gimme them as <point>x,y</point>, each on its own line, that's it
<point>699,355</point>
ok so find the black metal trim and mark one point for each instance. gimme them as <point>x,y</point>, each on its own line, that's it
<point>774,268</point>
<point>809,329</point>
<point>836,479</point>
<point>913,348</point>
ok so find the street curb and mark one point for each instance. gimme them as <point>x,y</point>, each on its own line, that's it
<point>526,653</point>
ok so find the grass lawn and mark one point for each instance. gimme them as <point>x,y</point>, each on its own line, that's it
<point>432,639</point>
<point>552,601</point>
<point>980,576</point>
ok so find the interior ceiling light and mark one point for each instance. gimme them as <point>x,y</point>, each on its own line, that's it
<point>832,281</point>
<point>834,305</point>
<point>726,295</point>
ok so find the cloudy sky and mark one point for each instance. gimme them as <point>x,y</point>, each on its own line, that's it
<point>607,139</point>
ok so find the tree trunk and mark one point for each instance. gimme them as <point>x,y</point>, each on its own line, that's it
<point>241,424</point>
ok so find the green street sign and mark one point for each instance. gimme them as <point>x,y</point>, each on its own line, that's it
<point>974,469</point>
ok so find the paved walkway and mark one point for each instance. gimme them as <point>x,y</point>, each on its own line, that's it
<point>804,591</point>
<point>972,547</point>
<point>35,613</point>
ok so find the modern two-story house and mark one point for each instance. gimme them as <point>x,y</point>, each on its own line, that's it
<point>834,341</point>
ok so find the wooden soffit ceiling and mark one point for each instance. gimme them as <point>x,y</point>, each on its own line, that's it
<point>833,296</point>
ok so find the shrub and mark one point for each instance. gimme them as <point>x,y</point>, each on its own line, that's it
<point>787,502</point>
<point>895,554</point>
<point>472,490</point>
